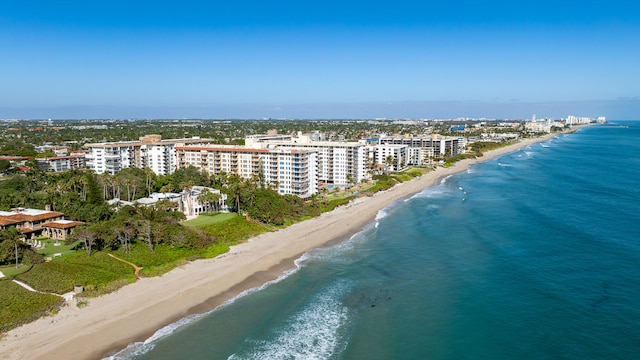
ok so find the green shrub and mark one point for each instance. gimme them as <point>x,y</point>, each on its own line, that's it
<point>20,306</point>
<point>61,275</point>
<point>235,230</point>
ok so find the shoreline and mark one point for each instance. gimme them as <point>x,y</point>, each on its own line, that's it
<point>135,312</point>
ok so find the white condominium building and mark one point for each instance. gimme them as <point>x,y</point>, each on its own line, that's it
<point>216,159</point>
<point>288,170</point>
<point>394,156</point>
<point>441,145</point>
<point>339,162</point>
<point>62,163</point>
<point>292,171</point>
<point>150,151</point>
<point>577,120</point>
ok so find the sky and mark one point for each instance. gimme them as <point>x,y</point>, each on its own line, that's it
<point>319,59</point>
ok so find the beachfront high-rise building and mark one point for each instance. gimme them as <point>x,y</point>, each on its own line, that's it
<point>339,162</point>
<point>292,171</point>
<point>575,120</point>
<point>396,157</point>
<point>437,144</point>
<point>149,151</point>
<point>288,170</point>
<point>216,159</point>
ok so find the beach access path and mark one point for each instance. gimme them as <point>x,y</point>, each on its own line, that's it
<point>133,313</point>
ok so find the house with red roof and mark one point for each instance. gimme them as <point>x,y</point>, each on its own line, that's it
<point>34,222</point>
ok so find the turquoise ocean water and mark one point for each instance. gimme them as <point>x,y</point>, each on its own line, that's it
<point>533,255</point>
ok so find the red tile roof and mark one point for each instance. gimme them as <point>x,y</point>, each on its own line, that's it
<point>61,225</point>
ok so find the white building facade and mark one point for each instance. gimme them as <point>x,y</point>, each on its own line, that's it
<point>436,144</point>
<point>150,151</point>
<point>394,156</point>
<point>291,171</point>
<point>288,170</point>
<point>339,162</point>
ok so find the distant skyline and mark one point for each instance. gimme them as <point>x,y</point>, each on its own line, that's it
<point>330,59</point>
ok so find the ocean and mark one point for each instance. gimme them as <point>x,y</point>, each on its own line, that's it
<point>532,255</point>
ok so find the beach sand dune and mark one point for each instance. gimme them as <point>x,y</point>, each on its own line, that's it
<point>136,311</point>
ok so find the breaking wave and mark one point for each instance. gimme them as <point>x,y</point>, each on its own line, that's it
<point>313,333</point>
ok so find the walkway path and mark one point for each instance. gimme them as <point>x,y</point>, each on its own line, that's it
<point>67,297</point>
<point>136,268</point>
<point>26,286</point>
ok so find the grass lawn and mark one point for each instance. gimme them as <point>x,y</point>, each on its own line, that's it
<point>10,271</point>
<point>204,220</point>
<point>50,248</point>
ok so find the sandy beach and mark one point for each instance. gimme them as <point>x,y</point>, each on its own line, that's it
<point>136,311</point>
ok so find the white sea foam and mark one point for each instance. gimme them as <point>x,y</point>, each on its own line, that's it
<point>503,165</point>
<point>529,153</point>
<point>313,333</point>
<point>381,214</point>
<point>132,350</point>
<point>139,348</point>
<point>431,192</point>
<point>302,260</point>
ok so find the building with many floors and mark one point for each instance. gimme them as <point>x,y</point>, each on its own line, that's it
<point>578,120</point>
<point>437,145</point>
<point>216,159</point>
<point>291,171</point>
<point>62,163</point>
<point>288,170</point>
<point>396,157</point>
<point>149,151</point>
<point>339,162</point>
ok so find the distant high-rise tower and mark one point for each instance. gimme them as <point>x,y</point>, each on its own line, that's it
<point>533,118</point>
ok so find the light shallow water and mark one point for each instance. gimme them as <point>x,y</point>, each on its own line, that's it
<point>534,255</point>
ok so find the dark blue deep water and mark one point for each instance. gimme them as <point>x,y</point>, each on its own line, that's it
<point>533,255</point>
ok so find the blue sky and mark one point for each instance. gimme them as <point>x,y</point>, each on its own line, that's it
<point>319,59</point>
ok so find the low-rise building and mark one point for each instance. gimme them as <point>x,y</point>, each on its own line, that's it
<point>59,229</point>
<point>34,222</point>
<point>191,202</point>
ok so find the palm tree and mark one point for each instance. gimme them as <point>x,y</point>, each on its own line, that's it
<point>209,199</point>
<point>234,187</point>
<point>186,188</point>
<point>389,161</point>
<point>149,179</point>
<point>12,235</point>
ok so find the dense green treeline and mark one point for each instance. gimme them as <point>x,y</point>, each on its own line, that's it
<point>81,195</point>
<point>18,138</point>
